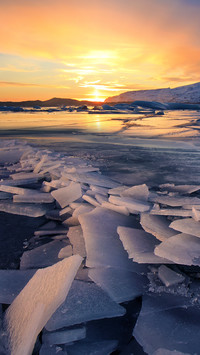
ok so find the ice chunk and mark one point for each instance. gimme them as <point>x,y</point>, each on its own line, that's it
<point>181,249</point>
<point>65,252</point>
<point>39,164</point>
<point>51,231</point>
<point>92,179</point>
<point>12,282</point>
<point>156,225</point>
<point>42,256</point>
<point>102,243</point>
<point>26,176</point>
<point>35,304</point>
<point>139,192</point>
<point>101,198</point>
<point>65,210</point>
<point>134,206</point>
<point>91,200</point>
<point>49,168</point>
<point>75,236</point>
<point>68,194</point>
<point>22,209</point>
<point>15,190</point>
<point>119,209</point>
<point>176,201</point>
<point>92,348</point>
<point>19,182</point>
<point>34,197</point>
<point>10,156</point>
<point>140,245</point>
<point>170,212</point>
<point>99,190</point>
<point>71,221</point>
<point>85,302</point>
<point>117,190</point>
<point>64,336</point>
<point>121,285</point>
<point>187,226</point>
<point>160,317</point>
<point>169,277</point>
<point>195,214</point>
<point>84,208</point>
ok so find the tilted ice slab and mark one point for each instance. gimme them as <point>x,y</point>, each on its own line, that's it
<point>183,189</point>
<point>92,348</point>
<point>75,236</point>
<point>169,323</point>
<point>34,197</point>
<point>169,277</point>
<point>85,302</point>
<point>19,182</point>
<point>64,336</point>
<point>181,249</point>
<point>121,285</point>
<point>68,194</point>
<point>25,176</point>
<point>178,212</point>
<point>36,303</point>
<point>175,201</point>
<point>187,225</point>
<point>99,190</point>
<point>140,246</point>
<point>134,206</point>
<point>139,192</point>
<point>12,282</point>
<point>22,209</point>
<point>42,256</point>
<point>102,242</point>
<point>156,225</point>
<point>119,209</point>
<point>84,208</point>
<point>92,179</point>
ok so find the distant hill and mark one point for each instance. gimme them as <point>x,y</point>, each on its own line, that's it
<point>181,94</point>
<point>55,102</point>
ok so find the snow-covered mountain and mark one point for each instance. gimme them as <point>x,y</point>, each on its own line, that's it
<point>181,94</point>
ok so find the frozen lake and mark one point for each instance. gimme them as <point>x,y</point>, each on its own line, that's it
<point>133,148</point>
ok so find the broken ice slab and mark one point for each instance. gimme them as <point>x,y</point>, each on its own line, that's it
<point>12,282</point>
<point>101,198</point>
<point>187,225</point>
<point>92,179</point>
<point>68,194</point>
<point>75,236</point>
<point>160,317</point>
<point>92,348</point>
<point>139,192</point>
<point>35,304</point>
<point>119,209</point>
<point>34,197</point>
<point>64,336</point>
<point>195,214</point>
<point>52,350</point>
<point>71,221</point>
<point>117,190</point>
<point>5,196</point>
<point>57,184</point>
<point>65,252</point>
<point>121,285</point>
<point>53,231</point>
<point>178,212</point>
<point>22,209</point>
<point>169,277</point>
<point>50,168</point>
<point>134,206</point>
<point>175,201</point>
<point>183,189</point>
<point>156,225</point>
<point>182,249</point>
<point>26,176</point>
<point>140,246</point>
<point>102,242</point>
<point>38,166</point>
<point>10,156</point>
<point>42,256</point>
<point>19,182</point>
<point>84,208</point>
<point>91,200</point>
<point>15,190</point>
<point>99,190</point>
<point>65,210</point>
<point>85,302</point>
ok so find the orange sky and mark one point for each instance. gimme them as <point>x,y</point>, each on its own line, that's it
<point>92,49</point>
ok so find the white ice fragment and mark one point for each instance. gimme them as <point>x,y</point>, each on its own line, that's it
<point>34,197</point>
<point>171,212</point>
<point>139,192</point>
<point>84,208</point>
<point>36,303</point>
<point>99,190</point>
<point>91,200</point>
<point>90,192</point>
<point>134,206</point>
<point>187,226</point>
<point>15,190</point>
<point>25,176</point>
<point>71,221</point>
<point>105,347</point>
<point>175,201</point>
<point>183,249</point>
<point>75,236</point>
<point>42,256</point>
<point>68,194</point>
<point>102,243</point>
<point>156,225</point>
<point>65,252</point>
<point>117,190</point>
<point>169,277</point>
<point>140,246</point>
<point>85,302</point>
<point>92,179</point>
<point>40,163</point>
<point>22,209</point>
<point>19,182</point>
<point>64,336</point>
<point>101,198</point>
<point>119,209</point>
<point>50,168</point>
<point>65,210</point>
<point>195,214</point>
<point>121,285</point>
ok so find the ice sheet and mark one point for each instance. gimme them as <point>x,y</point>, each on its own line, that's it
<point>187,225</point>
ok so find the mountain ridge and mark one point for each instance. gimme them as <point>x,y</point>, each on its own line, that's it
<point>54,102</point>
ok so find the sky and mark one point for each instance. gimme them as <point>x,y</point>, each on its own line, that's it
<point>93,49</point>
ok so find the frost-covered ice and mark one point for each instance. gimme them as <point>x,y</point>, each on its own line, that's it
<point>68,194</point>
<point>35,304</point>
<point>85,302</point>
